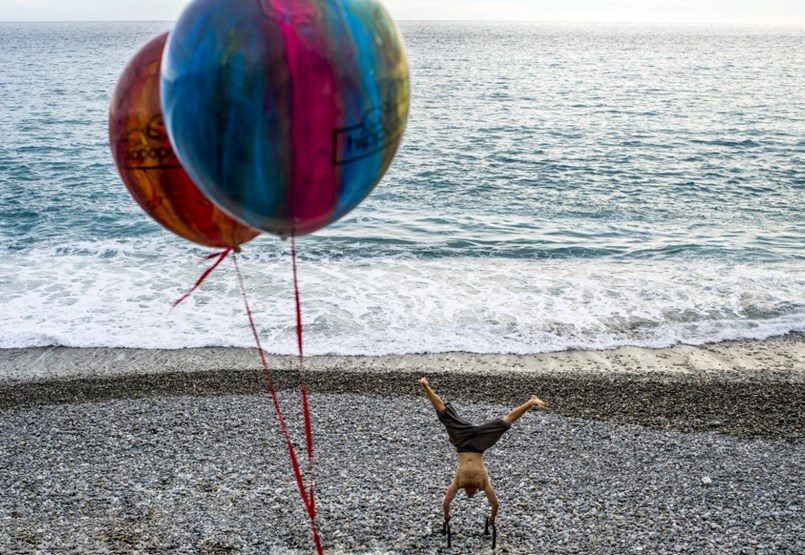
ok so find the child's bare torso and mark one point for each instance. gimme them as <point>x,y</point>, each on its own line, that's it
<point>471,471</point>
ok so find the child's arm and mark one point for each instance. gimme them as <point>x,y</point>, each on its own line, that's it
<point>449,495</point>
<point>493,500</point>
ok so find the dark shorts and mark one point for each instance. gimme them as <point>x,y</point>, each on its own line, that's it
<point>467,437</point>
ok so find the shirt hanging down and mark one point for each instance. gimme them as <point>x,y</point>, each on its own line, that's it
<point>467,437</point>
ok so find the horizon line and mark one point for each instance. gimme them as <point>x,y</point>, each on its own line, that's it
<point>540,21</point>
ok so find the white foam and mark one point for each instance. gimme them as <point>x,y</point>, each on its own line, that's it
<point>113,295</point>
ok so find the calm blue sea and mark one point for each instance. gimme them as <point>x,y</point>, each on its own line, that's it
<point>560,187</point>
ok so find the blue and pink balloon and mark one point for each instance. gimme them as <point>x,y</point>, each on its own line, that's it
<point>286,113</point>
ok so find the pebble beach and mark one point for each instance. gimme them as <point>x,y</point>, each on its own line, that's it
<point>607,215</point>
<point>126,451</point>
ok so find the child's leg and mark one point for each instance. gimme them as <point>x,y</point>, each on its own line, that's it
<point>534,401</point>
<point>435,400</point>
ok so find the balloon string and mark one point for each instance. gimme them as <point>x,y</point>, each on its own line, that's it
<point>306,499</point>
<point>221,256</point>
<point>305,406</point>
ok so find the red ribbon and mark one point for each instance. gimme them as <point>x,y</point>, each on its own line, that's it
<point>221,256</point>
<point>307,496</point>
<point>305,408</point>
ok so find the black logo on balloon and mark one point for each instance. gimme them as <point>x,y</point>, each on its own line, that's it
<point>147,149</point>
<point>380,128</point>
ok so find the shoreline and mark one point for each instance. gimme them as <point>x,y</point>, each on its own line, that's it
<point>747,389</point>
<point>776,359</point>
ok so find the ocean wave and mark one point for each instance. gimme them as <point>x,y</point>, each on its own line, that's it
<point>391,305</point>
<point>634,186</point>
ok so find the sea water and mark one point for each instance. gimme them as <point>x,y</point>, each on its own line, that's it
<point>559,187</point>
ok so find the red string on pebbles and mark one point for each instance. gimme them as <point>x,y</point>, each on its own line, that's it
<point>305,407</point>
<point>307,496</point>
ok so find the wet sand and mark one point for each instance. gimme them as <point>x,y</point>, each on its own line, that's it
<point>748,389</point>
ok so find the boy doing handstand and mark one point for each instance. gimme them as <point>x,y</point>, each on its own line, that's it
<point>471,441</point>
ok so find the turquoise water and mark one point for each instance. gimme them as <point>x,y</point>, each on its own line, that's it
<point>559,187</point>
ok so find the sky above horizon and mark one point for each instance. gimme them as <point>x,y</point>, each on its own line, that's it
<point>766,12</point>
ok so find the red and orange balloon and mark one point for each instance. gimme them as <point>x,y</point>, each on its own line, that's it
<point>148,165</point>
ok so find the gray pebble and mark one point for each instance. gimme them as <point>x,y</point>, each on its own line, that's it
<point>212,475</point>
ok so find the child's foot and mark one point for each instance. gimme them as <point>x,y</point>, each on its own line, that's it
<point>536,402</point>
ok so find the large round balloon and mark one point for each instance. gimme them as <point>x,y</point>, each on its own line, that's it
<point>286,113</point>
<point>148,165</point>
